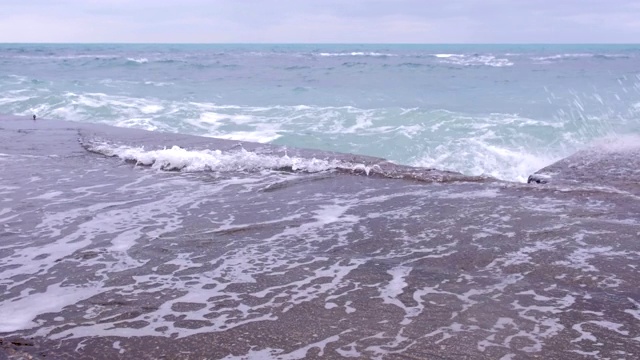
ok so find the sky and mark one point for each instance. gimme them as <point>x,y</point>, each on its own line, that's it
<point>320,21</point>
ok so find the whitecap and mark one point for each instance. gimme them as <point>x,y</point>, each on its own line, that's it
<point>444,56</point>
<point>138,60</point>
<point>177,158</point>
<point>357,53</point>
<point>475,60</point>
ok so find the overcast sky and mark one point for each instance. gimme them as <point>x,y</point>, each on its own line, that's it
<point>321,21</point>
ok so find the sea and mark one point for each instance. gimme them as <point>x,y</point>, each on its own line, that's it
<point>319,201</point>
<point>499,110</point>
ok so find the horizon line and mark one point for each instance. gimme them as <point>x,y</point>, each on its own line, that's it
<point>311,43</point>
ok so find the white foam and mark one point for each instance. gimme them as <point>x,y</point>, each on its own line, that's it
<point>352,130</point>
<point>221,124</point>
<point>24,310</point>
<point>357,53</point>
<point>611,326</point>
<point>124,228</point>
<point>119,226</point>
<point>579,258</point>
<point>446,56</point>
<point>390,292</point>
<point>116,345</point>
<point>635,312</point>
<point>252,136</point>
<point>561,57</point>
<point>523,255</point>
<point>14,99</point>
<point>177,158</point>
<point>138,60</point>
<point>151,109</point>
<point>47,196</point>
<point>475,60</point>
<point>138,123</point>
<point>158,83</point>
<point>261,354</point>
<point>477,145</point>
<point>301,353</point>
<point>349,351</point>
<point>588,336</point>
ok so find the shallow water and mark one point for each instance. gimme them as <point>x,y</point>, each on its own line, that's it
<point>498,110</point>
<point>116,244</point>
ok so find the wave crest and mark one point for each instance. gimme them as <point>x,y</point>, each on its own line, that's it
<point>180,159</point>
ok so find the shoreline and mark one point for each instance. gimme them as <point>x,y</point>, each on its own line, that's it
<point>104,259</point>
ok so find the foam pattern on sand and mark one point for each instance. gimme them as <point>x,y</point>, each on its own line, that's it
<point>104,258</point>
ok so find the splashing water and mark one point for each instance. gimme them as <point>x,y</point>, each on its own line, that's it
<point>503,111</point>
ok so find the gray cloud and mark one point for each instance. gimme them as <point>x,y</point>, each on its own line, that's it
<point>396,21</point>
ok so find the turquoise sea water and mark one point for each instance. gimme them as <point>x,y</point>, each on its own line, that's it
<point>122,243</point>
<point>499,110</point>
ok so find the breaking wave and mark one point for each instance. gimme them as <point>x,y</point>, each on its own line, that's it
<point>180,159</point>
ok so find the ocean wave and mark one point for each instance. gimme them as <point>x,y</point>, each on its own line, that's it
<point>63,57</point>
<point>413,65</point>
<point>14,99</point>
<point>169,61</point>
<point>578,56</point>
<point>138,60</point>
<point>474,60</point>
<point>354,64</point>
<point>13,79</point>
<point>357,53</point>
<point>573,56</point>
<point>373,132</point>
<point>446,56</point>
<point>117,83</point>
<point>481,158</point>
<point>179,159</point>
<point>93,107</point>
<point>297,67</point>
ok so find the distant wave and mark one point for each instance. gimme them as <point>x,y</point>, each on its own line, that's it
<point>611,56</point>
<point>561,57</point>
<point>297,67</point>
<point>578,56</point>
<point>445,56</point>
<point>354,63</point>
<point>473,60</point>
<point>138,60</point>
<point>357,53</point>
<point>62,57</point>
<point>116,83</point>
<point>413,65</point>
